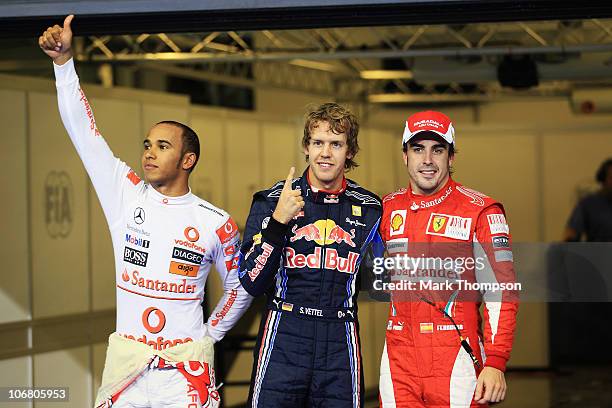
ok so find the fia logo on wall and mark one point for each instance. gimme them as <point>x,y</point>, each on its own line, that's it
<point>59,204</point>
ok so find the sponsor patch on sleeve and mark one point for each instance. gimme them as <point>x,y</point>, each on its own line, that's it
<point>133,177</point>
<point>504,256</point>
<point>498,224</point>
<point>501,241</point>
<point>230,250</point>
<point>232,264</point>
<point>227,231</point>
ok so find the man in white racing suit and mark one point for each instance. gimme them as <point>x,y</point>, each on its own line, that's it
<point>165,241</point>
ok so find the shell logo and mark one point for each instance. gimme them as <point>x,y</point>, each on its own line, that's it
<point>397,222</point>
<point>146,320</point>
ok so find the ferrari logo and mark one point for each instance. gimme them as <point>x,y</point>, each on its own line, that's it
<point>438,223</point>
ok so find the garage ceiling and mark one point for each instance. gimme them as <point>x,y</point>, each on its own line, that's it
<point>468,52</point>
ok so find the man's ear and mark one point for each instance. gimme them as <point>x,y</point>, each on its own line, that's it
<point>189,160</point>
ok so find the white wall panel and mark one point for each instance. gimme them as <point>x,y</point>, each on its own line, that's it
<point>15,282</point>
<point>504,166</point>
<point>66,368</point>
<point>58,212</point>
<point>399,168</point>
<point>384,150</point>
<point>286,103</point>
<point>300,157</point>
<point>278,153</point>
<point>153,113</point>
<point>244,165</point>
<point>361,174</point>
<point>208,179</point>
<point>16,372</point>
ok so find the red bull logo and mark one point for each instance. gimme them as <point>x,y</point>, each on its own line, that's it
<point>323,232</point>
<point>316,260</point>
<point>339,235</point>
<point>308,232</point>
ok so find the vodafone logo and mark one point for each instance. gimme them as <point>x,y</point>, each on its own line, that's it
<point>228,227</point>
<point>146,320</point>
<point>191,234</point>
<point>194,368</point>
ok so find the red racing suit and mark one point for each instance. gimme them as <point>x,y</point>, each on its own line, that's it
<point>423,362</point>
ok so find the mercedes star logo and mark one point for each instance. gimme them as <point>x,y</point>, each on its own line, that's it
<point>139,215</point>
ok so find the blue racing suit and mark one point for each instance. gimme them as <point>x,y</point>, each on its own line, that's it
<point>308,351</point>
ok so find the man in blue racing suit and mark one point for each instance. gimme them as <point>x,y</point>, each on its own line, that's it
<point>304,242</point>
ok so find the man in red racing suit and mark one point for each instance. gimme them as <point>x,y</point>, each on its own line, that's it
<point>435,354</point>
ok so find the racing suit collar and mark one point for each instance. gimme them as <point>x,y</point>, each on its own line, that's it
<point>158,197</point>
<point>321,196</point>
<point>419,201</point>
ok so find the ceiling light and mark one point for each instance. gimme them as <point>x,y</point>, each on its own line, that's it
<point>386,74</point>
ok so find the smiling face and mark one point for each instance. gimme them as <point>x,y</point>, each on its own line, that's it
<point>428,162</point>
<point>326,154</point>
<point>161,158</point>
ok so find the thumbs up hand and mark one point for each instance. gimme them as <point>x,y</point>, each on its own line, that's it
<point>56,41</point>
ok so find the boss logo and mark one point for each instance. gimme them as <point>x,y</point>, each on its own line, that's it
<point>135,257</point>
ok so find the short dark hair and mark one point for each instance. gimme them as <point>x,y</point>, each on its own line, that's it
<point>191,142</point>
<point>430,135</point>
<point>602,172</point>
<point>341,120</point>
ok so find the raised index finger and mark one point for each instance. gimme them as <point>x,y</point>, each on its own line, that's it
<point>289,179</point>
